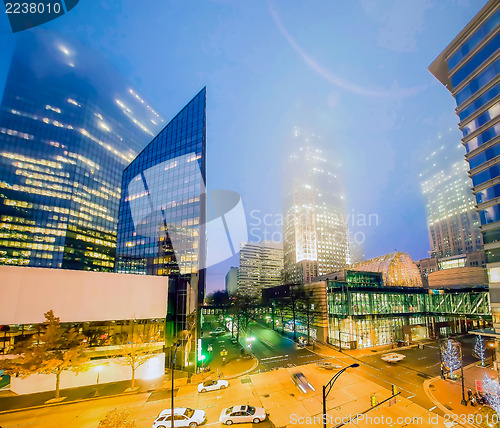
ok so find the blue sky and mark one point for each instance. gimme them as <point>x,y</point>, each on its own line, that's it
<point>354,72</point>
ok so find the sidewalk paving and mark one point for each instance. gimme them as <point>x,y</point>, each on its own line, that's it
<point>447,394</point>
<point>10,401</point>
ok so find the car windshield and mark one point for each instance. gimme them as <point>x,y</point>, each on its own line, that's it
<point>189,413</point>
<point>251,410</point>
<point>229,410</point>
<point>207,383</point>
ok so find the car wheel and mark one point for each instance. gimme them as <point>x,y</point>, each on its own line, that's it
<point>203,390</point>
<point>193,425</point>
<point>256,421</point>
<point>222,386</point>
<point>229,422</point>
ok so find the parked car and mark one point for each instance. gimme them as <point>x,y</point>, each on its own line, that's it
<point>212,385</point>
<point>241,414</point>
<point>183,417</point>
<point>328,365</point>
<point>218,331</point>
<point>301,382</point>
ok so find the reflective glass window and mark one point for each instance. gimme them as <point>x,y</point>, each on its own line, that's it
<point>488,194</point>
<point>479,102</point>
<point>482,138</point>
<point>490,215</point>
<point>483,118</point>
<point>474,62</point>
<point>488,174</point>
<point>478,82</point>
<point>475,39</point>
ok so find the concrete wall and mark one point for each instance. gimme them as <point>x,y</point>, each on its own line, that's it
<point>78,296</point>
<point>109,370</point>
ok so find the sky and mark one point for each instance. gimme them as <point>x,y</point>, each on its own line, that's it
<point>353,72</point>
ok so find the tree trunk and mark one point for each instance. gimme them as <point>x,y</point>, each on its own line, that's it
<point>294,324</point>
<point>133,377</point>
<point>308,328</point>
<point>58,381</point>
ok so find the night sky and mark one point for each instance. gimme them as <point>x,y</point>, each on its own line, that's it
<point>354,72</point>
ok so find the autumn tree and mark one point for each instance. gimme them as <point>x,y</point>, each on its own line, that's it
<point>139,348</point>
<point>117,418</point>
<point>51,351</point>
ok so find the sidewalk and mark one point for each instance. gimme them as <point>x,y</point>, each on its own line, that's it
<point>447,394</point>
<point>10,401</point>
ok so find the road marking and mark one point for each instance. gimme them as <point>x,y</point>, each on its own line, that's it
<point>273,358</point>
<point>421,358</point>
<point>432,408</point>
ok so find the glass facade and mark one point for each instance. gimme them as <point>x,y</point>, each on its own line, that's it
<point>162,216</point>
<point>452,220</point>
<point>69,124</point>
<point>315,233</point>
<point>364,313</point>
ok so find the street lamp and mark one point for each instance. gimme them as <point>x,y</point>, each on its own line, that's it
<point>329,385</point>
<point>172,391</point>
<point>98,369</point>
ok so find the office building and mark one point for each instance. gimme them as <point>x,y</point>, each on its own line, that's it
<point>469,68</point>
<point>161,228</point>
<point>261,266</point>
<point>452,220</point>
<point>315,236</point>
<point>232,281</point>
<point>69,124</point>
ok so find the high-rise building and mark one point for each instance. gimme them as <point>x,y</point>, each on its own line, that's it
<point>69,124</point>
<point>452,220</point>
<point>315,236</point>
<point>232,281</point>
<point>161,228</point>
<point>261,266</point>
<point>469,67</point>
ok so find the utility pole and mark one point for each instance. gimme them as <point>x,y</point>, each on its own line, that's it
<point>172,391</point>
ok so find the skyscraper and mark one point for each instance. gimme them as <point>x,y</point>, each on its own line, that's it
<point>469,67</point>
<point>232,281</point>
<point>452,220</point>
<point>162,218</point>
<point>315,237</point>
<point>261,266</point>
<point>69,124</point>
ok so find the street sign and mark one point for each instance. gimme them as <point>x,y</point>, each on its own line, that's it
<point>479,386</point>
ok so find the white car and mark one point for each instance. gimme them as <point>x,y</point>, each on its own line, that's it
<point>392,357</point>
<point>240,414</point>
<point>183,417</point>
<point>212,385</point>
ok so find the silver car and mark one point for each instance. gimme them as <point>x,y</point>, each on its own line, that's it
<point>241,414</point>
<point>212,385</point>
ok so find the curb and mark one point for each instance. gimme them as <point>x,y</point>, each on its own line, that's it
<point>430,395</point>
<point>255,364</point>
<point>62,403</point>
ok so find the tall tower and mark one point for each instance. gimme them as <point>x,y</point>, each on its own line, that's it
<point>69,125</point>
<point>469,68</point>
<point>452,220</point>
<point>315,237</point>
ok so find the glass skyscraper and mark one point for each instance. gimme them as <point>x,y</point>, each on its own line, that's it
<point>469,68</point>
<point>161,228</point>
<point>69,124</point>
<point>315,235</point>
<point>452,220</point>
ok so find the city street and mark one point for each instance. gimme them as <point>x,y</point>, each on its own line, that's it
<point>272,390</point>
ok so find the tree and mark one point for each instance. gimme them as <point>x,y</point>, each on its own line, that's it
<point>479,350</point>
<point>117,418</point>
<point>492,393</point>
<point>137,349</point>
<point>450,356</point>
<point>243,309</point>
<point>294,303</point>
<point>52,351</point>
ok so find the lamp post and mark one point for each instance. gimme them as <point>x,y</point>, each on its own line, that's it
<point>492,346</point>
<point>172,391</point>
<point>464,401</point>
<point>98,370</point>
<point>329,386</point>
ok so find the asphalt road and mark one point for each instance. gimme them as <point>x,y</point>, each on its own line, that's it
<point>275,351</point>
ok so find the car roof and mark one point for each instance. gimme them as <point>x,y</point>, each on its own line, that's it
<point>177,411</point>
<point>239,408</point>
